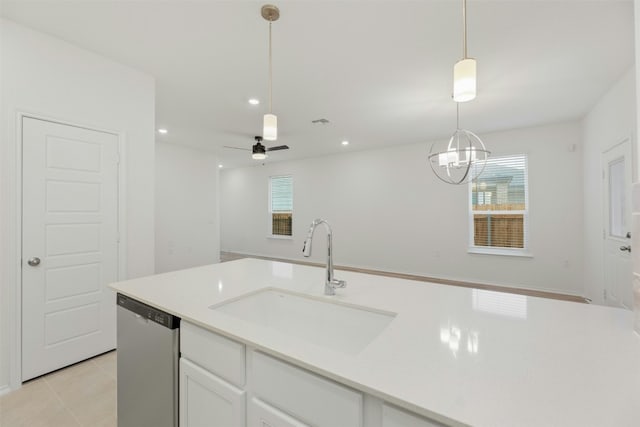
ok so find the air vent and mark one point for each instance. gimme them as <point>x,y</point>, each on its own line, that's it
<point>320,121</point>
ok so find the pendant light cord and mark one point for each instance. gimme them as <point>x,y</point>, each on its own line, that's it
<point>457,115</point>
<point>464,29</point>
<point>270,72</point>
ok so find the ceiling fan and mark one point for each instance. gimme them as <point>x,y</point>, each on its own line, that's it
<point>259,151</point>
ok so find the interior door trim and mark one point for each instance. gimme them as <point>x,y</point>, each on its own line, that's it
<point>14,273</point>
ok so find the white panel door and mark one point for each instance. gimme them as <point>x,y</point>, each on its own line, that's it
<point>69,244</point>
<point>617,175</point>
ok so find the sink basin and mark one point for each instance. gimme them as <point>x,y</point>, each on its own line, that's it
<point>337,326</point>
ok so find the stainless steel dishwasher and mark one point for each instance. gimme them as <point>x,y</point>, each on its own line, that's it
<point>148,352</point>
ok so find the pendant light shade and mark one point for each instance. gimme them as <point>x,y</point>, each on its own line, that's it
<point>464,72</point>
<point>270,128</point>
<point>464,80</point>
<point>270,123</point>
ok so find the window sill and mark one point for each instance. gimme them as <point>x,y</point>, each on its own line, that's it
<point>501,252</point>
<point>278,237</point>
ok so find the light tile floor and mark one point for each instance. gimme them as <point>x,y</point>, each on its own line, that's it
<point>79,395</point>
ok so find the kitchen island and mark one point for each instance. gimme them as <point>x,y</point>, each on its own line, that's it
<point>455,356</point>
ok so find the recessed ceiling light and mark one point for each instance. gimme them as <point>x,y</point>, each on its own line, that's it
<point>220,166</point>
<point>162,131</point>
<point>345,142</point>
<point>254,101</point>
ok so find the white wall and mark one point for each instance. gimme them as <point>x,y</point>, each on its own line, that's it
<point>389,212</point>
<point>636,213</point>
<point>610,121</point>
<point>187,216</point>
<point>636,9</point>
<point>46,76</point>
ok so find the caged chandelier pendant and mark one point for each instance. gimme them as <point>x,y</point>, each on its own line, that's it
<point>462,159</point>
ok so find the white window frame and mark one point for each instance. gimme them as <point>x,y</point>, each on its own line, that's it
<point>496,250</point>
<point>270,235</point>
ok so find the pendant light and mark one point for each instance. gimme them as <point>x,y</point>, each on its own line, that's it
<point>464,72</point>
<point>462,159</point>
<point>270,125</point>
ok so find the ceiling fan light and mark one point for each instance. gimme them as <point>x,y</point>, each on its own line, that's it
<point>270,129</point>
<point>259,152</point>
<point>464,80</point>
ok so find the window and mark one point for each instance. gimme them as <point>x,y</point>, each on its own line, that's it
<point>499,207</point>
<point>281,205</point>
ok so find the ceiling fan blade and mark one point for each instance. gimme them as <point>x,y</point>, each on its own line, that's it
<point>237,148</point>
<point>279,147</point>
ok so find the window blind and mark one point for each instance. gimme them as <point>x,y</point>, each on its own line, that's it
<point>281,194</point>
<point>499,206</point>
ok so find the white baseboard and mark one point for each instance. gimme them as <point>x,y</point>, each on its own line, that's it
<point>4,389</point>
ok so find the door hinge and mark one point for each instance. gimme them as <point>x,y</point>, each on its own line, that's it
<point>602,174</point>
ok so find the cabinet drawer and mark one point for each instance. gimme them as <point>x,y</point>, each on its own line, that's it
<point>309,398</point>
<point>261,414</point>
<point>220,355</point>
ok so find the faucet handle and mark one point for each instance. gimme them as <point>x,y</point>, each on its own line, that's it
<point>306,248</point>
<point>339,283</point>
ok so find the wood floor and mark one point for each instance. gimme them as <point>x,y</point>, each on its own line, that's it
<point>230,256</point>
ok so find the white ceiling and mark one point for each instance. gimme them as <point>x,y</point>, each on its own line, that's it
<point>380,71</point>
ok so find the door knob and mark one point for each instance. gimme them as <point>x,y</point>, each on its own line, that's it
<point>625,248</point>
<point>33,262</point>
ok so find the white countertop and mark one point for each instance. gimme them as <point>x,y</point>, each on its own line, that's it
<point>519,361</point>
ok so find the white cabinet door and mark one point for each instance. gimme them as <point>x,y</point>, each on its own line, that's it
<point>393,417</point>
<point>208,401</point>
<point>264,415</point>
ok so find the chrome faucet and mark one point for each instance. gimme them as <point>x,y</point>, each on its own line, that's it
<point>331,283</point>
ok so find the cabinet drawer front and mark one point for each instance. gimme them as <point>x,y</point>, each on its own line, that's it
<point>306,396</point>
<point>261,414</point>
<point>220,355</point>
<point>393,417</point>
<point>206,400</point>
